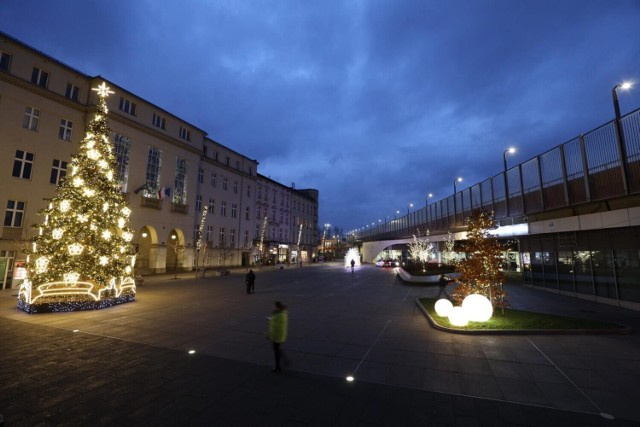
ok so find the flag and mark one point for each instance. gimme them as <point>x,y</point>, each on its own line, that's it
<point>164,192</point>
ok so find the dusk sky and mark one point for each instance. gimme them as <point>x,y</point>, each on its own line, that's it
<point>373,103</point>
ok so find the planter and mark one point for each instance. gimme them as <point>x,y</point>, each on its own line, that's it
<point>402,273</point>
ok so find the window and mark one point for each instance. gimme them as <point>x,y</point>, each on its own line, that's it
<point>213,179</point>
<point>238,164</point>
<point>72,92</point>
<point>258,213</point>
<point>159,121</point>
<point>152,177</point>
<point>227,160</point>
<point>122,146</point>
<point>14,214</point>
<point>246,237</point>
<point>200,176</point>
<point>223,208</point>
<point>180,183</point>
<point>39,77</point>
<point>5,61</point>
<point>212,206</point>
<point>127,106</point>
<point>232,237</point>
<point>198,203</point>
<point>248,191</point>
<point>224,183</point>
<point>247,213</point>
<point>235,187</point>
<point>221,237</point>
<point>65,130</point>
<point>58,171</point>
<point>234,210</point>
<point>209,232</point>
<point>31,117</point>
<point>22,164</point>
<point>185,134</point>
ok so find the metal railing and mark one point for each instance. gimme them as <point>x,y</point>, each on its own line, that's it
<point>585,169</point>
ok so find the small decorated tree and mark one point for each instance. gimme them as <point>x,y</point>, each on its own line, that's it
<point>82,257</point>
<point>480,272</point>
<point>420,250</point>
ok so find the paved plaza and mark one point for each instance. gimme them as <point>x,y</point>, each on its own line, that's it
<point>130,364</point>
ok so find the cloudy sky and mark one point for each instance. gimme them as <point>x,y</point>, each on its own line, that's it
<point>373,102</point>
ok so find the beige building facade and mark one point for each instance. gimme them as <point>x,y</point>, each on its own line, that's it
<point>194,201</point>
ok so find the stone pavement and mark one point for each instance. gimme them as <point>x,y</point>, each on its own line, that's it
<point>129,365</point>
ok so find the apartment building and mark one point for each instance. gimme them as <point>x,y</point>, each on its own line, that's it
<point>193,200</point>
<point>286,221</point>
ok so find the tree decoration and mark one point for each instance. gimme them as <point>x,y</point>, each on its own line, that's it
<point>421,249</point>
<point>77,260</point>
<point>480,272</point>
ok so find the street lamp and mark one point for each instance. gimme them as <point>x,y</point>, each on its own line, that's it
<point>509,150</point>
<point>621,144</point>
<point>426,208</point>
<point>410,205</point>
<point>459,179</point>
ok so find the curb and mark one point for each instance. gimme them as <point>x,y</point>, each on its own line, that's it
<point>626,330</point>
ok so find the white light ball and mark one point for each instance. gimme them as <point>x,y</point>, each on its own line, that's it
<point>443,307</point>
<point>458,317</point>
<point>477,307</point>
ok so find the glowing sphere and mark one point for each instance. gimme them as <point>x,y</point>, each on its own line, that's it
<point>458,317</point>
<point>477,307</point>
<point>443,307</point>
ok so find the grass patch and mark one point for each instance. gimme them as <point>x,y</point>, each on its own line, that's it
<point>520,320</point>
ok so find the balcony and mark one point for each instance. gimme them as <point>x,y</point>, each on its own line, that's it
<point>148,202</point>
<point>179,208</point>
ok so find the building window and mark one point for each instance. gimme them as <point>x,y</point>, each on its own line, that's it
<point>248,191</point>
<point>185,134</point>
<point>31,117</point>
<point>198,203</point>
<point>234,210</point>
<point>224,183</point>
<point>223,208</point>
<point>58,171</point>
<point>14,214</point>
<point>127,106</point>
<point>258,212</point>
<point>235,187</point>
<point>209,232</point>
<point>65,130</point>
<point>159,121</point>
<point>180,183</point>
<point>246,238</point>
<point>122,146</point>
<point>213,179</point>
<point>247,213</point>
<point>232,237</point>
<point>200,176</point>
<point>39,77</point>
<point>5,61</point>
<point>238,164</point>
<point>152,177</point>
<point>72,92</point>
<point>221,237</point>
<point>22,164</point>
<point>212,206</point>
<point>227,161</point>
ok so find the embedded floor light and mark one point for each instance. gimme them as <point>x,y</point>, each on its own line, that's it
<point>350,379</point>
<point>192,352</point>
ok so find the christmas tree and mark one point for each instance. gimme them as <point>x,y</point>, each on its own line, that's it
<point>480,271</point>
<point>82,257</point>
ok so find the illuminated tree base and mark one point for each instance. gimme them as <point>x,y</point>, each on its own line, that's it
<point>73,305</point>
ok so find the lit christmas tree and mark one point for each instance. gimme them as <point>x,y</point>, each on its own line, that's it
<point>82,257</point>
<point>480,272</point>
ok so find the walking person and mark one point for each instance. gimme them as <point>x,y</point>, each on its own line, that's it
<point>250,281</point>
<point>278,326</point>
<point>353,263</point>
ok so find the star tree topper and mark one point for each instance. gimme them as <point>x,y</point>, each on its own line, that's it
<point>103,90</point>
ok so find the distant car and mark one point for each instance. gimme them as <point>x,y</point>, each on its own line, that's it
<point>386,263</point>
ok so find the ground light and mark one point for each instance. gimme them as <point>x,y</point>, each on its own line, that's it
<point>443,307</point>
<point>477,307</point>
<point>350,379</point>
<point>458,317</point>
<point>192,352</point>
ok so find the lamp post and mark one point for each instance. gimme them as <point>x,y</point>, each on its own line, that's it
<point>622,149</point>
<point>174,246</point>
<point>426,207</point>
<point>410,205</point>
<point>455,191</point>
<point>509,150</point>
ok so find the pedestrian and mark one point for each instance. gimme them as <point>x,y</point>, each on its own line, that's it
<point>250,281</point>
<point>278,325</point>
<point>353,263</point>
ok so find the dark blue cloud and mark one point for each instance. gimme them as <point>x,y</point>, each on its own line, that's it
<point>375,103</point>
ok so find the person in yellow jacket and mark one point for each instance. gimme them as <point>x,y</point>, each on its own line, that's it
<point>278,325</point>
